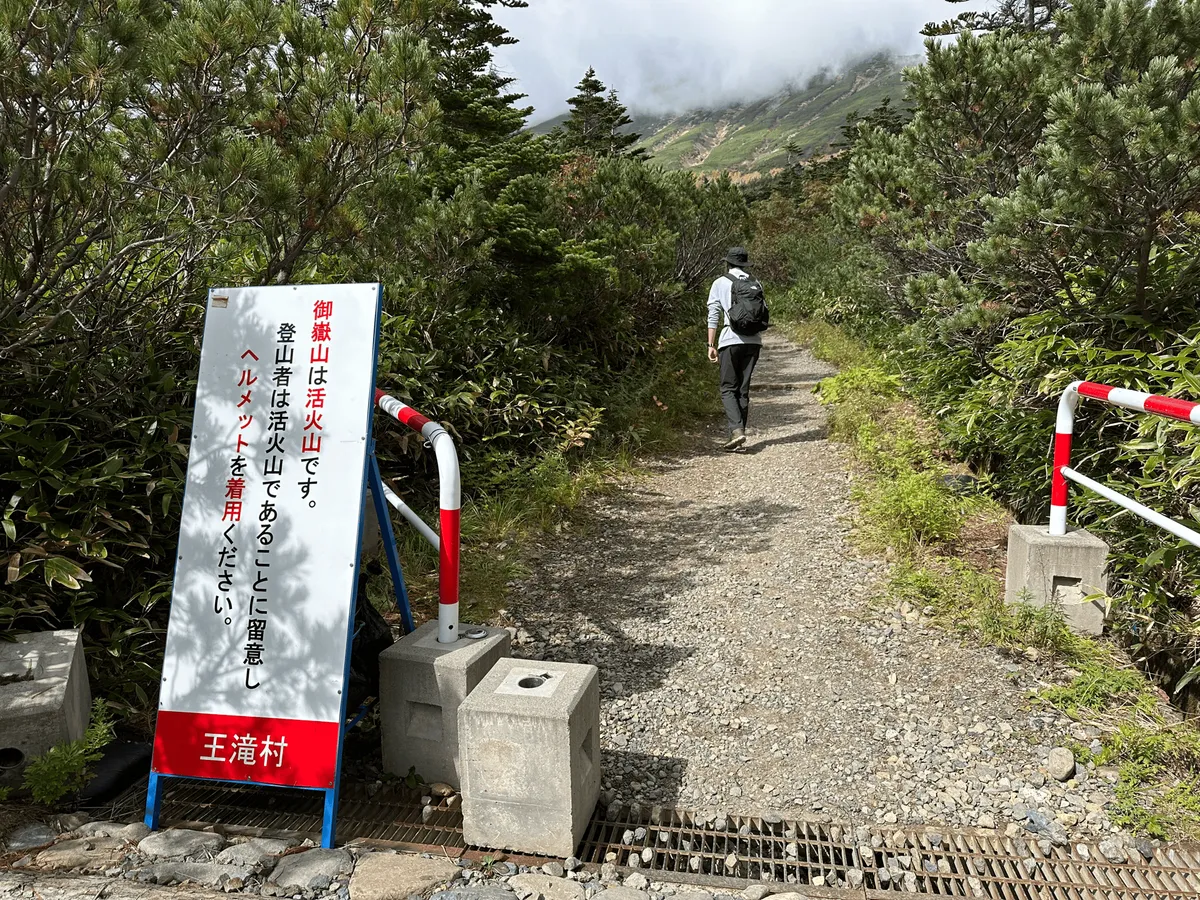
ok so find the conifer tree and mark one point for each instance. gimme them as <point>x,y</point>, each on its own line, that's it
<point>476,102</point>
<point>597,120</point>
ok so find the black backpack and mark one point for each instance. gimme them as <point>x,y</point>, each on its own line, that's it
<point>748,313</point>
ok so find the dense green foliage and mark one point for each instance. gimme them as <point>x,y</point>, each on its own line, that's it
<point>1039,215</point>
<point>151,149</point>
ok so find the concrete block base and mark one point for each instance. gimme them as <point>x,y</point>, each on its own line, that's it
<point>529,738</point>
<point>421,685</point>
<point>1062,570</point>
<point>45,698</point>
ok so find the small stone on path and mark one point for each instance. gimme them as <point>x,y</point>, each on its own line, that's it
<point>1113,849</point>
<point>638,882</point>
<point>1061,765</point>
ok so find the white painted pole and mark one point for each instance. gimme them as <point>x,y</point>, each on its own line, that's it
<point>416,521</point>
<point>1180,531</point>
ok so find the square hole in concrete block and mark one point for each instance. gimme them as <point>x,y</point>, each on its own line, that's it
<point>588,752</point>
<point>1067,590</point>
<point>424,721</point>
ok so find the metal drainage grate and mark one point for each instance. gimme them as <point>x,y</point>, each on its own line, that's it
<point>388,815</point>
<point>718,850</point>
<point>721,850</point>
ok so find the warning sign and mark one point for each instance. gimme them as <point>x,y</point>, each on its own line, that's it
<point>259,633</point>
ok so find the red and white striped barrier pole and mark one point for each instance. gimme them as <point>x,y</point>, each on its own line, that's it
<point>450,492</point>
<point>1169,407</point>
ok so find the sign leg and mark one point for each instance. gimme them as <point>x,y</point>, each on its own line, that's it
<point>383,516</point>
<point>329,822</point>
<point>153,801</point>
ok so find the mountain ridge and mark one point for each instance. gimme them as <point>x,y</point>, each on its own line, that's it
<point>756,137</point>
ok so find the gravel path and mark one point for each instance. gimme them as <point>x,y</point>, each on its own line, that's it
<point>744,669</point>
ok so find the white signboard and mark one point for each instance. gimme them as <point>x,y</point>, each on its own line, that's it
<point>258,640</point>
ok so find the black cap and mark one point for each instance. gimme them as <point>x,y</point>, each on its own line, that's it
<point>737,256</point>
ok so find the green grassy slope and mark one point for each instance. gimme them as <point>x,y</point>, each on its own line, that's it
<point>751,137</point>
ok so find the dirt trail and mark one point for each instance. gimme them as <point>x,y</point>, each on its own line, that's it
<point>743,669</point>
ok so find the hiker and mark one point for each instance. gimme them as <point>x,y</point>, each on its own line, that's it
<point>739,298</point>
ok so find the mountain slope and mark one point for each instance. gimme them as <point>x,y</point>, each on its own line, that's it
<point>752,137</point>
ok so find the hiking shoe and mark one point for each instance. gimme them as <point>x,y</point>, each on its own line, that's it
<point>734,442</point>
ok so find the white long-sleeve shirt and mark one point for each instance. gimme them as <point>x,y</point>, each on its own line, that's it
<point>720,296</point>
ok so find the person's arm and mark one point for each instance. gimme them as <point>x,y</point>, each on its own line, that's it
<point>714,318</point>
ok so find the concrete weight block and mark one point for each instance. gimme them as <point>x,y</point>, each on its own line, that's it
<point>1045,569</point>
<point>529,743</point>
<point>421,685</point>
<point>45,698</point>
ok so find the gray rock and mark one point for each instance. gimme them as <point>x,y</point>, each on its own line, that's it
<point>638,882</point>
<point>482,892</point>
<point>132,833</point>
<point>26,837</point>
<point>253,854</point>
<point>1113,849</point>
<point>1145,847</point>
<point>176,843</point>
<point>90,854</point>
<point>99,829</point>
<point>71,821</point>
<point>572,864</point>
<point>554,869</point>
<point>1061,764</point>
<point>301,870</point>
<point>755,892</point>
<point>622,893</point>
<point>177,872</point>
<point>548,887</point>
<point>385,876</point>
<point>854,878</point>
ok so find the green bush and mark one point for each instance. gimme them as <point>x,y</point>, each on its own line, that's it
<point>66,768</point>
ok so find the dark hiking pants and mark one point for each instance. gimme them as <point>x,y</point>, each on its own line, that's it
<point>737,365</point>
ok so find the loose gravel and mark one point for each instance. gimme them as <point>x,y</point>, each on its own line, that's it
<point>744,667</point>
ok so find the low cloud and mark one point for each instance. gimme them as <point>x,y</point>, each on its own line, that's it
<point>675,55</point>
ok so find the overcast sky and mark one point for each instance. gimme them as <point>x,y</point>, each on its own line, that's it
<point>675,55</point>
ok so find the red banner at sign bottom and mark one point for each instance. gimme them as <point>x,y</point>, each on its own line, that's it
<point>292,752</point>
